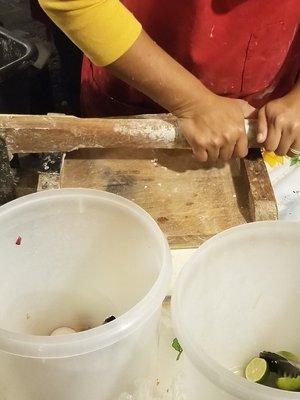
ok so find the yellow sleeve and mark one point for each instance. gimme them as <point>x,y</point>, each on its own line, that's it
<point>103,29</point>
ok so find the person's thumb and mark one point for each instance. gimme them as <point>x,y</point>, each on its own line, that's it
<point>262,126</point>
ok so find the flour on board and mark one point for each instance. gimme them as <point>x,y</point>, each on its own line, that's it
<point>158,130</point>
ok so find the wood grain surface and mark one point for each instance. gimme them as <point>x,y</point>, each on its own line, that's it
<point>190,201</point>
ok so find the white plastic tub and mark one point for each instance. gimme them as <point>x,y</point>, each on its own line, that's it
<point>239,295</point>
<point>84,255</point>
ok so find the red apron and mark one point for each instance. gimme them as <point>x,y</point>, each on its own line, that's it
<point>247,49</point>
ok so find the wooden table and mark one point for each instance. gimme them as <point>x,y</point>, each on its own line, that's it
<point>146,160</point>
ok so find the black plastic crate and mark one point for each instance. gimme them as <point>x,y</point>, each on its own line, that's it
<point>15,55</point>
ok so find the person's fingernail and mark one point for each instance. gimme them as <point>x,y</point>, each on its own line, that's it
<point>260,138</point>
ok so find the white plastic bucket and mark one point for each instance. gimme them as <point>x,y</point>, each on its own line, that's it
<point>84,255</point>
<point>239,295</point>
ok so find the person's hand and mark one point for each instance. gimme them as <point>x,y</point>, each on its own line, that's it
<point>279,124</point>
<point>215,127</point>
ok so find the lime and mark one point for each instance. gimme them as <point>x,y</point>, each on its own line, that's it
<point>288,355</point>
<point>287,383</point>
<point>257,370</point>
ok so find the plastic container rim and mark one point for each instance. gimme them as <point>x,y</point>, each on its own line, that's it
<point>211,369</point>
<point>32,346</point>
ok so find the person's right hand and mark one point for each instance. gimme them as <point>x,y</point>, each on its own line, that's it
<point>215,129</point>
<point>213,125</point>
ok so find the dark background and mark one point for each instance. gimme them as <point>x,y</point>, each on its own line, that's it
<point>56,86</point>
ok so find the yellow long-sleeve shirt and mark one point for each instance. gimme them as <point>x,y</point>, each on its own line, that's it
<point>103,29</point>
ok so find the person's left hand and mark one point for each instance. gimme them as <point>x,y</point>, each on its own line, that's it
<point>279,124</point>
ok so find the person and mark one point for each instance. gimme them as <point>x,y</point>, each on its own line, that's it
<point>209,62</point>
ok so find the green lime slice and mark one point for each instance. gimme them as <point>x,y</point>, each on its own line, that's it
<point>287,383</point>
<point>289,356</point>
<point>257,370</point>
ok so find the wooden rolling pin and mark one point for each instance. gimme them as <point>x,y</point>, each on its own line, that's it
<point>60,133</point>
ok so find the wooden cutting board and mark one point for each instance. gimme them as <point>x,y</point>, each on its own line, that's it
<point>190,201</point>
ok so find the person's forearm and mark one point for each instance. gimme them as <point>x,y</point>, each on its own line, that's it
<point>152,71</point>
<point>213,125</point>
<point>112,38</point>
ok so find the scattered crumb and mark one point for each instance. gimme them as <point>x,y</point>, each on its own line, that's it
<point>18,241</point>
<point>162,219</point>
<point>157,381</point>
<point>159,184</point>
<point>145,187</point>
<point>154,161</point>
<point>28,316</point>
<point>48,160</point>
<point>234,196</point>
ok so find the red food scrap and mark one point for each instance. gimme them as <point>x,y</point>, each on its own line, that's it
<point>18,241</point>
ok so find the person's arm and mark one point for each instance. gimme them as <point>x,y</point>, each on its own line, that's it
<point>213,125</point>
<point>279,123</point>
<point>102,29</point>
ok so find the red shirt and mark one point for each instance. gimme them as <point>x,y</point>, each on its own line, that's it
<point>246,49</point>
